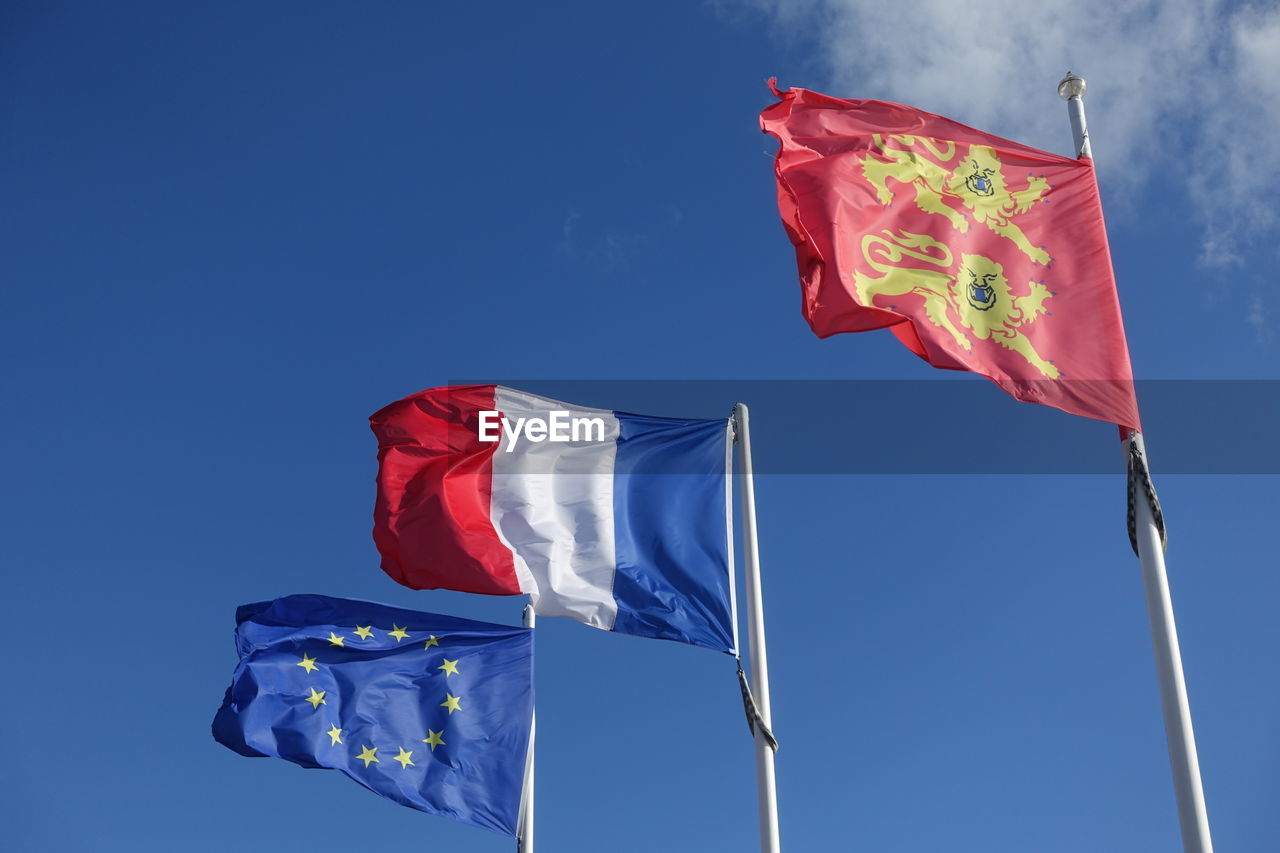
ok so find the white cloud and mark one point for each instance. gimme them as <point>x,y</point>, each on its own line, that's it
<point>1257,317</point>
<point>1240,133</point>
<point>606,247</point>
<point>1187,90</point>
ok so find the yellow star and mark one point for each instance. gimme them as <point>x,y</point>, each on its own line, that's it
<point>367,755</point>
<point>451,702</point>
<point>335,733</point>
<point>431,641</point>
<point>334,639</point>
<point>398,632</point>
<point>365,632</point>
<point>316,699</point>
<point>309,664</point>
<point>403,758</point>
<point>434,739</point>
<point>450,667</point>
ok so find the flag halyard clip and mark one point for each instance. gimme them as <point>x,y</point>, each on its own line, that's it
<point>1139,476</point>
<point>754,720</point>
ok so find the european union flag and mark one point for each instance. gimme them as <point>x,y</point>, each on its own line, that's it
<point>430,711</point>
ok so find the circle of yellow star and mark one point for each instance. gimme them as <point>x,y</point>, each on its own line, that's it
<point>309,664</point>
<point>451,702</point>
<point>365,632</point>
<point>316,699</point>
<point>450,667</point>
<point>334,639</point>
<point>398,632</point>
<point>367,755</point>
<point>336,734</point>
<point>434,739</point>
<point>403,758</point>
<point>431,641</point>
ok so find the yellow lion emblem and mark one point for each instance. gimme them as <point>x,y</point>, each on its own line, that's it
<point>975,184</point>
<point>979,295</point>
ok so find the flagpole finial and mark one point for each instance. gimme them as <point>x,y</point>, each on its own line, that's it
<point>1071,86</point>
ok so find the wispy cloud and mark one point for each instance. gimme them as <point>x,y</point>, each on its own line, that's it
<point>1258,320</point>
<point>1241,123</point>
<point>608,247</point>
<point>1181,90</point>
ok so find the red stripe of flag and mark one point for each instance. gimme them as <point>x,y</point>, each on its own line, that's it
<point>431,520</point>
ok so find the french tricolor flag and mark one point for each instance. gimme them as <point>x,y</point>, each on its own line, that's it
<point>620,521</point>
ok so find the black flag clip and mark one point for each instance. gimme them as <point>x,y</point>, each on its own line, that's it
<point>754,720</point>
<point>1140,478</point>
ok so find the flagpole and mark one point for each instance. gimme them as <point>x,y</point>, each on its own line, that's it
<point>765,781</point>
<point>524,824</point>
<point>1148,539</point>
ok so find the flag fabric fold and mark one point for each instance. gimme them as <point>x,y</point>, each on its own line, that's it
<point>430,711</point>
<point>616,520</point>
<point>978,253</point>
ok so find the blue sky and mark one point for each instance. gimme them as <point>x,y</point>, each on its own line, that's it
<point>232,232</point>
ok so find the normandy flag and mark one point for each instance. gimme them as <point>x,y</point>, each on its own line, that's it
<point>430,711</point>
<point>977,253</point>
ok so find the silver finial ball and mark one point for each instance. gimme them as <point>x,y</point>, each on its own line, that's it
<point>1071,87</point>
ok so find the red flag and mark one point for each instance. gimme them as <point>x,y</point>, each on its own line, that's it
<point>978,253</point>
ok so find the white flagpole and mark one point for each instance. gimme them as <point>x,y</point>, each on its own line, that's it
<point>730,432</point>
<point>1192,815</point>
<point>524,825</point>
<point>765,783</point>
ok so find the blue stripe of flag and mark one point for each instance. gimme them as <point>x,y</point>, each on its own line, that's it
<point>670,530</point>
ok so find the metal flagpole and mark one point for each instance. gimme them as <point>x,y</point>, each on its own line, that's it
<point>1148,538</point>
<point>730,434</point>
<point>765,784</point>
<point>524,825</point>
